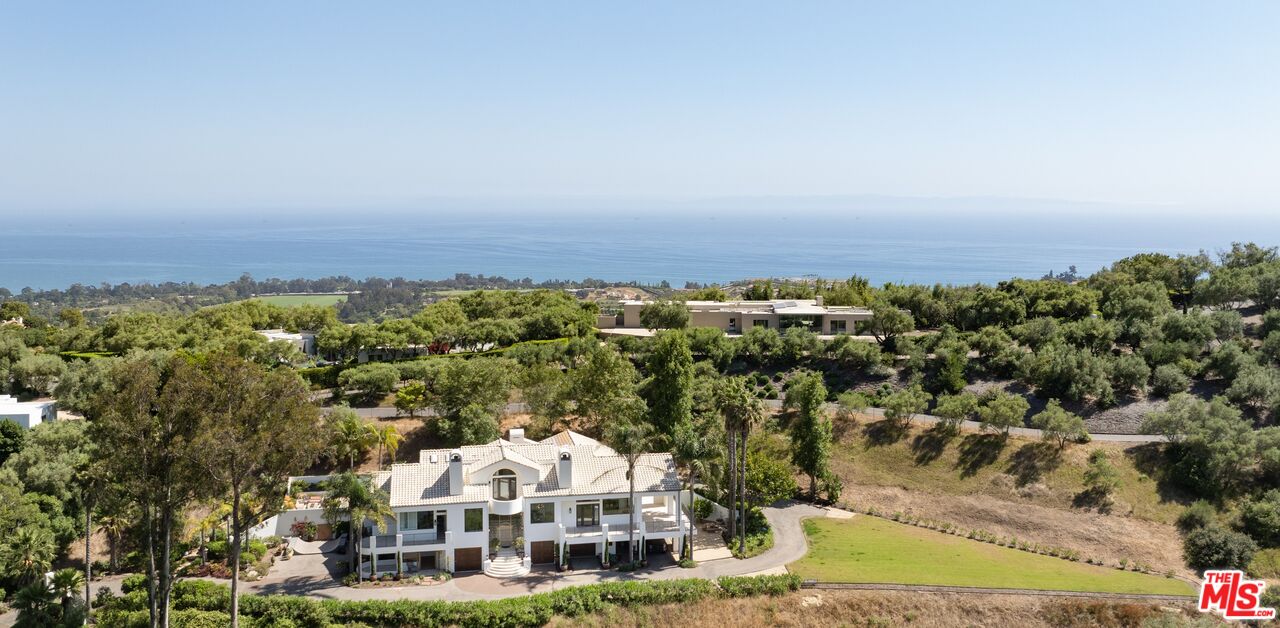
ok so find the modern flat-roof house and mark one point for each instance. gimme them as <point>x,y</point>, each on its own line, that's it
<point>27,414</point>
<point>736,317</point>
<point>467,509</point>
<point>305,341</point>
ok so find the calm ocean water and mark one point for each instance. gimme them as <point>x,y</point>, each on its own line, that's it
<point>955,247</point>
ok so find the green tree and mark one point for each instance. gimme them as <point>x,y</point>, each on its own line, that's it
<point>956,409</point>
<point>948,365</point>
<point>11,438</point>
<point>1101,476</point>
<point>359,500</point>
<point>741,410</point>
<point>798,344</point>
<point>411,398</point>
<point>1260,518</point>
<point>1211,445</point>
<point>768,479</point>
<point>904,404</point>
<point>759,344</point>
<point>664,315</point>
<point>810,429</point>
<point>695,446</point>
<point>887,323</point>
<point>631,438</point>
<point>470,397</point>
<point>1168,379</point>
<point>602,381</point>
<point>372,380</point>
<point>389,440</point>
<point>1003,411</point>
<point>39,373</point>
<point>669,388</point>
<point>1056,424</point>
<point>1129,373</point>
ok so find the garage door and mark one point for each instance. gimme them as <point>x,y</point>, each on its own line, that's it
<point>542,552</point>
<point>582,549</point>
<point>467,559</point>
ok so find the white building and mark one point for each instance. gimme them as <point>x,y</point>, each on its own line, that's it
<point>28,414</point>
<point>736,317</point>
<point>304,341</point>
<point>467,509</point>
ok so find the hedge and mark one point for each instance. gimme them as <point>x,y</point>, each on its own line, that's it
<point>200,603</point>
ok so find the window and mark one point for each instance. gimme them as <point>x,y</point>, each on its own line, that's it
<point>543,512</point>
<point>620,506</point>
<point>473,519</point>
<point>760,322</point>
<point>837,327</point>
<point>421,520</point>
<point>588,514</point>
<point>504,485</point>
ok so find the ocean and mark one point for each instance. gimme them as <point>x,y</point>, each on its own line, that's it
<point>956,247</point>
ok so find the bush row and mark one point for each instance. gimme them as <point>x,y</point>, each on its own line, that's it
<point>198,603</point>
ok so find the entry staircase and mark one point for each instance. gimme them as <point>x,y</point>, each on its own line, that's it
<point>507,564</point>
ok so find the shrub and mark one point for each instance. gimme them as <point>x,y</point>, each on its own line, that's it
<point>133,582</point>
<point>1212,547</point>
<point>1169,379</point>
<point>750,586</point>
<point>1260,519</point>
<point>1197,515</point>
<point>701,508</point>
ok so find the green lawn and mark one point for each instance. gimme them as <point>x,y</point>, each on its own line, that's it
<point>871,549</point>
<point>295,300</point>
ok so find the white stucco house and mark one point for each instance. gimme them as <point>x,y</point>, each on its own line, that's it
<point>305,341</point>
<point>27,414</point>
<point>467,509</point>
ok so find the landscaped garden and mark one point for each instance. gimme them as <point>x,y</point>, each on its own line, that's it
<point>870,549</point>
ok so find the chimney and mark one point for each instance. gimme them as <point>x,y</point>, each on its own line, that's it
<point>455,472</point>
<point>818,300</point>
<point>516,435</point>
<point>564,473</point>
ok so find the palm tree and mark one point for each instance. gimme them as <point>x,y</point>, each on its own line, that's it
<point>694,446</point>
<point>114,525</point>
<point>630,438</point>
<point>359,500</point>
<point>388,438</point>
<point>352,437</point>
<point>36,606</point>
<point>29,552</point>
<point>65,582</point>
<point>741,411</point>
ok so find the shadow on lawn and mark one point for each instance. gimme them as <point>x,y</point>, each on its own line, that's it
<point>979,450</point>
<point>884,432</point>
<point>930,444</point>
<point>1032,461</point>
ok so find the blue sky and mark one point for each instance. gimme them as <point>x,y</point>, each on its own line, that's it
<point>217,106</point>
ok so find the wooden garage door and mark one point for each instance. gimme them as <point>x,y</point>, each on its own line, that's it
<point>542,552</point>
<point>467,559</point>
<point>582,549</point>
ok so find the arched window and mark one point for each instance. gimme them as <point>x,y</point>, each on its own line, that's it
<point>504,485</point>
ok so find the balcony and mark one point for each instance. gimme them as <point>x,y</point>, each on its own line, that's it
<point>406,540</point>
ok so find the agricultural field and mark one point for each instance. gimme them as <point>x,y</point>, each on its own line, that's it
<point>296,300</point>
<point>871,549</point>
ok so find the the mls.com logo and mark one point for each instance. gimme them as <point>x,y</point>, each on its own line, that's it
<point>1228,593</point>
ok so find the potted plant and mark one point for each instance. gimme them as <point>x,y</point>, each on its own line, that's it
<point>493,548</point>
<point>519,545</point>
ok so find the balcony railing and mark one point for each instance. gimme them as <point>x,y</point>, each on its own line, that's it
<point>420,538</point>
<point>390,541</point>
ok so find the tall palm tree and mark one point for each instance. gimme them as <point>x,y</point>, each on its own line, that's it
<point>388,438</point>
<point>114,525</point>
<point>631,438</point>
<point>694,445</point>
<point>29,552</point>
<point>741,411</point>
<point>359,500</point>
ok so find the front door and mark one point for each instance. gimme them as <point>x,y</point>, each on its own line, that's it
<point>506,531</point>
<point>588,515</point>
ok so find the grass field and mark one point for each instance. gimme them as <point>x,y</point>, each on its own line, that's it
<point>295,300</point>
<point>870,549</point>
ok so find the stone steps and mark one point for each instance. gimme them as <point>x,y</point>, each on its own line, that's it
<point>506,565</point>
